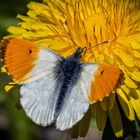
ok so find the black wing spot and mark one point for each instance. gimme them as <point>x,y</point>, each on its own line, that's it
<point>102,72</point>
<point>30,51</point>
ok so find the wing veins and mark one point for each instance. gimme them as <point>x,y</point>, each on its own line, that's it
<point>33,75</point>
<point>84,85</point>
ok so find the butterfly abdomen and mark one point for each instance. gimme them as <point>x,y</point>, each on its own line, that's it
<point>68,72</point>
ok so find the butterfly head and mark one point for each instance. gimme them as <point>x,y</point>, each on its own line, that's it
<point>79,52</point>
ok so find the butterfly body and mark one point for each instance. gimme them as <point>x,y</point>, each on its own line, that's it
<point>67,72</point>
<point>53,88</point>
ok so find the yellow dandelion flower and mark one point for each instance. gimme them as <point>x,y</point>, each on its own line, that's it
<point>90,23</point>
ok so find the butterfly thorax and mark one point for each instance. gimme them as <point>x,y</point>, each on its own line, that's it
<point>68,72</point>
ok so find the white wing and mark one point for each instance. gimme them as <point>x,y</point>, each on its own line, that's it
<point>74,108</point>
<point>87,77</point>
<point>39,99</point>
<point>43,66</point>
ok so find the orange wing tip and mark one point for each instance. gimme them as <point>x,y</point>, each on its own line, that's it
<point>105,82</point>
<point>18,57</point>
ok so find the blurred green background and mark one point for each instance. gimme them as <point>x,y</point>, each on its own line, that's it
<point>8,11</point>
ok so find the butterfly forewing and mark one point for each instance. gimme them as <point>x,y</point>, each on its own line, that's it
<point>87,76</point>
<point>26,62</point>
<point>44,65</point>
<point>98,81</point>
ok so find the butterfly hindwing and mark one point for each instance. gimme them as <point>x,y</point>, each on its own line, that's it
<point>39,99</point>
<point>74,108</point>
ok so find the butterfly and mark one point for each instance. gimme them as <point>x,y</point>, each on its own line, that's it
<point>55,89</point>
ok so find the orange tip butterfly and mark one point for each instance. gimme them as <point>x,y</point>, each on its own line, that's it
<point>56,89</point>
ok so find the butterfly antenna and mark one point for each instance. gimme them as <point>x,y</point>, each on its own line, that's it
<point>101,43</point>
<point>70,34</point>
